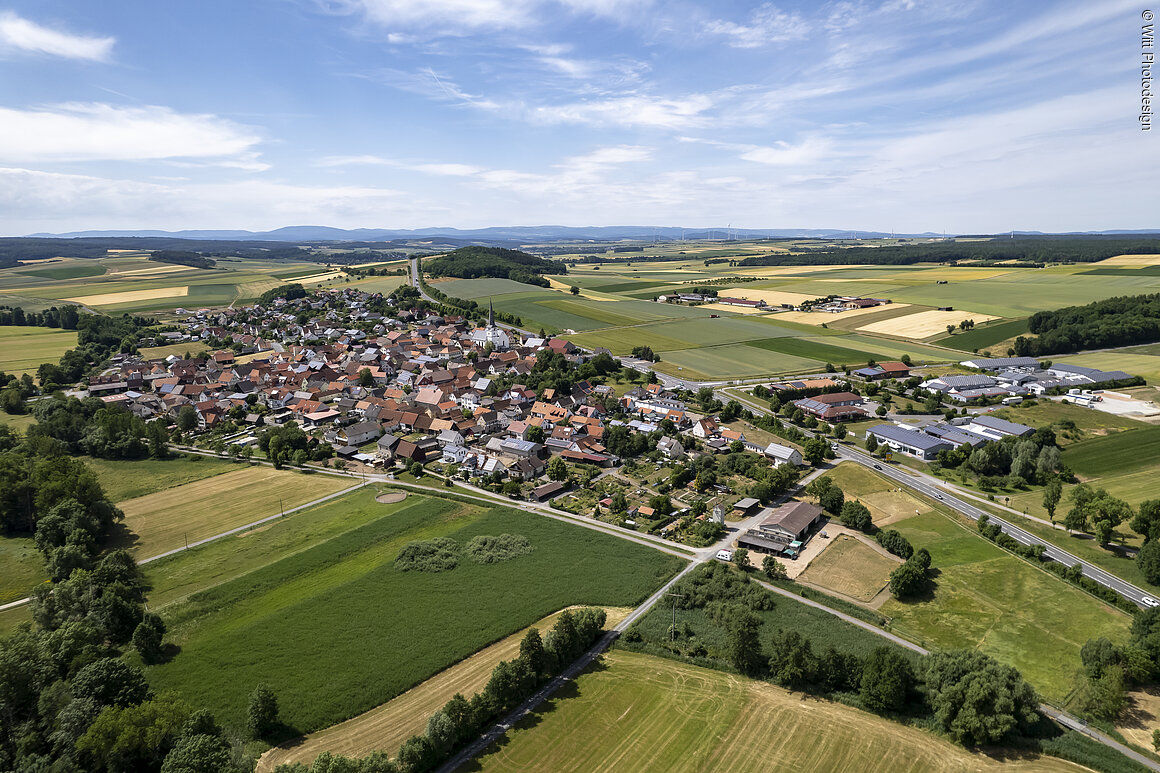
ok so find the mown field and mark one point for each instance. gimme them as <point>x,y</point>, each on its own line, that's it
<point>642,713</point>
<point>24,349</point>
<point>851,568</point>
<point>170,518</point>
<point>1114,454</point>
<point>128,479</point>
<point>984,598</point>
<point>336,630</point>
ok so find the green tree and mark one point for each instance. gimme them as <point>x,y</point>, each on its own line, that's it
<point>1147,519</point>
<point>1148,560</point>
<point>743,645</point>
<point>186,419</point>
<point>907,580</point>
<point>199,753</point>
<point>741,558</point>
<point>840,431</point>
<point>147,637</point>
<point>887,680</point>
<point>138,737</point>
<point>1097,655</point>
<point>574,290</point>
<point>535,433</point>
<point>814,451</point>
<point>773,569</point>
<point>110,682</point>
<point>557,468</point>
<point>1051,494</point>
<point>532,652</point>
<point>857,516</point>
<point>366,378</point>
<point>871,443</point>
<point>262,713</point>
<point>832,500</point>
<point>976,699</point>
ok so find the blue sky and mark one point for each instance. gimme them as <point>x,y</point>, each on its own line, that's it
<point>913,115</point>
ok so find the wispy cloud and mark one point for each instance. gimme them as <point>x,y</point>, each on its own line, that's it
<point>20,34</point>
<point>767,24</point>
<point>101,132</point>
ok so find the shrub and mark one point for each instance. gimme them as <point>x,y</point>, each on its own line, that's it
<point>440,554</point>
<point>486,549</point>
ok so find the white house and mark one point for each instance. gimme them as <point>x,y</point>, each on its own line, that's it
<point>783,454</point>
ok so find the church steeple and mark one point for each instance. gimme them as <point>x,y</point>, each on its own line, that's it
<point>490,314</point>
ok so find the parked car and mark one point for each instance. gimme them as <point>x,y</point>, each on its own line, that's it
<point>725,555</point>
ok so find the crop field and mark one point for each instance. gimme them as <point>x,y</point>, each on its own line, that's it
<point>23,349</point>
<point>128,281</point>
<point>336,629</point>
<point>643,713</point>
<point>731,361</point>
<point>385,727</point>
<point>886,503</point>
<point>124,480</point>
<point>21,568</point>
<point>984,335</point>
<point>1114,454</point>
<point>981,601</point>
<point>814,349</point>
<point>1089,423</point>
<point>923,324</point>
<point>851,568</point>
<point>168,519</point>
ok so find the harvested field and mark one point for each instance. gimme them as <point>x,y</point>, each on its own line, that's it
<point>923,324</point>
<point>641,713</point>
<point>729,309</point>
<point>155,268</point>
<point>1131,260</point>
<point>168,519</point>
<point>851,568</point>
<point>130,296</point>
<point>385,727</point>
<point>821,317</point>
<point>886,507</point>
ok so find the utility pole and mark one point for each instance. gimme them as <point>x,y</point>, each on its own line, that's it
<point>281,507</point>
<point>673,629</point>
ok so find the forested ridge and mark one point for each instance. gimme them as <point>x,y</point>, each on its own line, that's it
<point>476,262</point>
<point>1118,321</point>
<point>1028,250</point>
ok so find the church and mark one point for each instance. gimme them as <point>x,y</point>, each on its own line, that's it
<point>497,337</point>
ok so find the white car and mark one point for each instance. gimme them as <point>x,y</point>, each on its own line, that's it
<point>1149,601</point>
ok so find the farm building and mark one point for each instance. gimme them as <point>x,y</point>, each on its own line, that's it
<point>547,491</point>
<point>745,507</point>
<point>909,441</point>
<point>1001,363</point>
<point>836,406</point>
<point>742,302</point>
<point>784,528</point>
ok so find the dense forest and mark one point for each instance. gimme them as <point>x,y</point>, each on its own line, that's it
<point>475,262</point>
<point>1026,249</point>
<point>183,258</point>
<point>1119,321</point>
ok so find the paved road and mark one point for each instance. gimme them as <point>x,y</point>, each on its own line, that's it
<point>949,495</point>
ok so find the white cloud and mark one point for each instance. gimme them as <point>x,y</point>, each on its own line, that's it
<point>444,15</point>
<point>767,24</point>
<point>631,110</point>
<point>28,36</point>
<point>32,200</point>
<point>808,151</point>
<point>100,132</point>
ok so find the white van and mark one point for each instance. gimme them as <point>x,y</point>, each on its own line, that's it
<point>725,555</point>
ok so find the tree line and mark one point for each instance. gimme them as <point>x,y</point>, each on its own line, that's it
<point>182,258</point>
<point>1119,321</point>
<point>967,695</point>
<point>475,262</point>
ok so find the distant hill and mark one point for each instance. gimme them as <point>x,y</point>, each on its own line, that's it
<point>476,262</point>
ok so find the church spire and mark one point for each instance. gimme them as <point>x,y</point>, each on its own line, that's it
<point>490,314</point>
